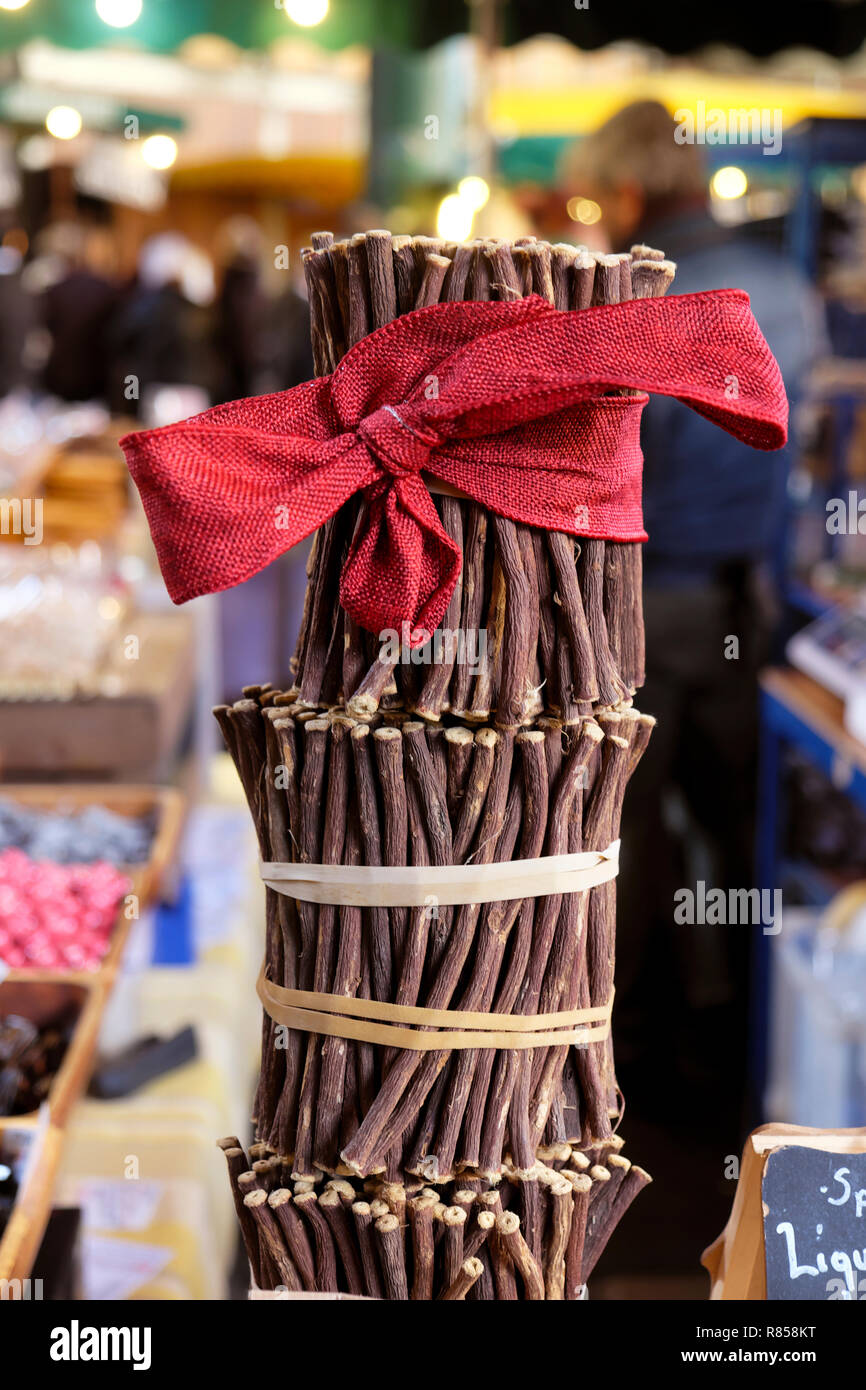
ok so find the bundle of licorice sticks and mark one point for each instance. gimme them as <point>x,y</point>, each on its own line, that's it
<point>562,620</point>
<point>429,760</point>
<point>529,1236</point>
<point>390,792</point>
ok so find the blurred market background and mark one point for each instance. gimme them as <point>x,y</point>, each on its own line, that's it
<point>162,163</point>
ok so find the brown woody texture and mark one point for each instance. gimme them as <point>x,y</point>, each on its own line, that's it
<point>464,752</point>
<point>527,1236</point>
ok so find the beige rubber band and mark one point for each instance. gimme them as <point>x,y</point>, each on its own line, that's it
<point>364,886</point>
<point>335,1016</point>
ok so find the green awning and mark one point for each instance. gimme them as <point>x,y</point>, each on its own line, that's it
<point>165,24</point>
<point>825,25</point>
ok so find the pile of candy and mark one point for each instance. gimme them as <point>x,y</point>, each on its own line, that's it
<point>80,837</point>
<point>29,1060</point>
<point>56,916</point>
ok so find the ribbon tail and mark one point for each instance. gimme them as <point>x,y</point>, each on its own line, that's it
<point>705,349</point>
<point>222,502</point>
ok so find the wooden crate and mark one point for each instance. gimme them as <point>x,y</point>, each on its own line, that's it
<point>146,880</point>
<point>41,1000</point>
<point>47,990</point>
<point>127,724</point>
<point>19,1244</point>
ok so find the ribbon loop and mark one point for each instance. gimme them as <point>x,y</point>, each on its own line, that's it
<point>519,421</point>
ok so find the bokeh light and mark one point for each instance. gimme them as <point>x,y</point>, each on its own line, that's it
<point>583,210</point>
<point>474,191</point>
<point>306,12</point>
<point>118,13</point>
<point>729,182</point>
<point>454,218</point>
<point>63,122</point>
<point>159,151</point>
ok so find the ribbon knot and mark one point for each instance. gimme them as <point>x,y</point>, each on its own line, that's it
<point>400,449</point>
<point>520,423</point>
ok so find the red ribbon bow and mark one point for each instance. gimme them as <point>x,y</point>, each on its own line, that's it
<point>502,401</point>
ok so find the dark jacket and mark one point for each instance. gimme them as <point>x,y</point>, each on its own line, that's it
<point>708,499</point>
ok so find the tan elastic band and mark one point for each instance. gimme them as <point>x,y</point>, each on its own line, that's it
<point>446,1029</point>
<point>364,886</point>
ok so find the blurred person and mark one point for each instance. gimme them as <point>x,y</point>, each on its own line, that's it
<point>17,320</point>
<point>260,619</point>
<point>240,310</point>
<point>77,301</point>
<point>262,340</point>
<point>713,509</point>
<point>287,351</point>
<point>159,334</point>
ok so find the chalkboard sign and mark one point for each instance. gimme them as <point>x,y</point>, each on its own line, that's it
<point>814,1205</point>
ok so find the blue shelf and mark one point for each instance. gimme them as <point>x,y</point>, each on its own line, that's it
<point>814,885</point>
<point>172,944</point>
<point>800,596</point>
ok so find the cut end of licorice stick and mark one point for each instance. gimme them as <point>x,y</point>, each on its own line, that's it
<point>455,734</point>
<point>639,252</point>
<point>615,1160</point>
<point>650,279</point>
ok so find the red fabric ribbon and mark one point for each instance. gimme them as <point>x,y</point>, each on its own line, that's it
<point>502,401</point>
